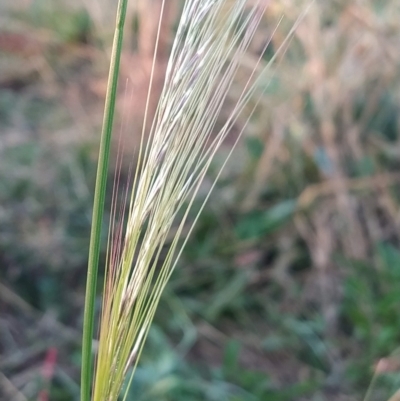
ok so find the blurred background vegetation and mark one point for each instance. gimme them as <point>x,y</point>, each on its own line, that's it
<point>289,286</point>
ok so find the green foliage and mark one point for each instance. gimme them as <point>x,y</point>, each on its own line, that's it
<point>370,308</point>
<point>371,301</point>
<point>67,25</point>
<point>256,224</point>
<point>51,225</point>
<point>64,212</point>
<point>164,375</point>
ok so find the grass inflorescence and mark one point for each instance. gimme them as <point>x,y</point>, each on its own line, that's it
<point>211,39</point>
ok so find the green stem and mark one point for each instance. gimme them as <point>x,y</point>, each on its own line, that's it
<point>98,204</point>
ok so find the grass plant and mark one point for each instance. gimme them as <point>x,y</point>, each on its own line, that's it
<point>295,257</point>
<point>211,39</point>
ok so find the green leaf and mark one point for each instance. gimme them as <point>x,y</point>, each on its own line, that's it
<point>257,224</point>
<point>390,257</point>
<point>227,295</point>
<point>255,147</point>
<point>231,357</point>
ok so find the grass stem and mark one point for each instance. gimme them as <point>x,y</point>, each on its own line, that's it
<point>98,204</point>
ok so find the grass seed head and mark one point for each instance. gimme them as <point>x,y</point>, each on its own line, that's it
<point>211,39</point>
